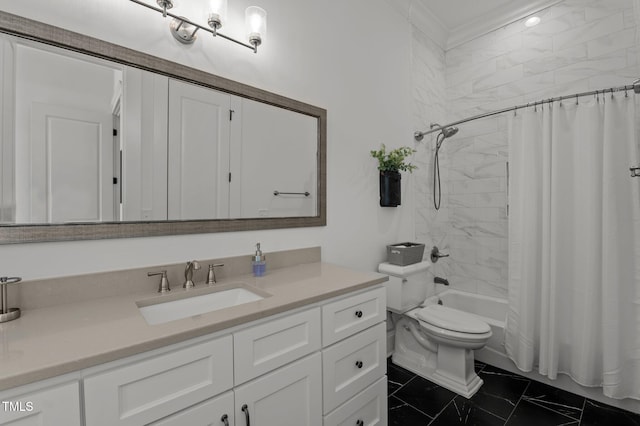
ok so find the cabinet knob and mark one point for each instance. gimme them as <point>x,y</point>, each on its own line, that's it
<point>245,409</point>
<point>225,419</point>
<point>360,422</point>
<point>359,314</point>
<point>359,364</point>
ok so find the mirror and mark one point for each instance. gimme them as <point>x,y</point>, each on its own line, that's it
<point>105,142</point>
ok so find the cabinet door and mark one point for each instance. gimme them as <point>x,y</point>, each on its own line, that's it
<point>55,406</point>
<point>267,346</point>
<point>157,387</point>
<point>289,396</point>
<point>353,364</point>
<point>350,315</point>
<point>212,412</point>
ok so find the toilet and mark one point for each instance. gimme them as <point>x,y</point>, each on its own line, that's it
<point>435,342</point>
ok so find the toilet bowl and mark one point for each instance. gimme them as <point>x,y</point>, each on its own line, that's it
<point>436,342</point>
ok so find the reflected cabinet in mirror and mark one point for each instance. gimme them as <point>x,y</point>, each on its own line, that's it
<point>99,141</point>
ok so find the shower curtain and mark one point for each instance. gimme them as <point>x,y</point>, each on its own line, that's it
<point>574,243</point>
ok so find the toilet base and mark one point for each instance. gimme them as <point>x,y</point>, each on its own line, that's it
<point>450,367</point>
<point>466,388</point>
<point>456,371</point>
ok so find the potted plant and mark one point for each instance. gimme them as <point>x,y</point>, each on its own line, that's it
<point>390,164</point>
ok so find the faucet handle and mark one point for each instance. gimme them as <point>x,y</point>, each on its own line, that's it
<point>435,254</point>
<point>164,282</point>
<point>211,275</point>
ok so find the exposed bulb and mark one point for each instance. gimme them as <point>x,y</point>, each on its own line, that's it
<point>256,23</point>
<point>217,13</point>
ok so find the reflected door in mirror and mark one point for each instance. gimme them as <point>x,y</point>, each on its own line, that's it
<point>199,139</point>
<point>58,125</point>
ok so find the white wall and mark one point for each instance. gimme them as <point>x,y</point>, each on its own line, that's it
<point>580,45</point>
<point>352,58</point>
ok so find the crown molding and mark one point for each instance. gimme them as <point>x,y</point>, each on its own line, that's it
<point>485,24</point>
<point>423,19</point>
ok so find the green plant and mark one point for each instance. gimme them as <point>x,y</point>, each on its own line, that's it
<point>394,160</point>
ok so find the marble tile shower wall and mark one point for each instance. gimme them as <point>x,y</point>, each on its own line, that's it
<point>430,98</point>
<point>580,45</point>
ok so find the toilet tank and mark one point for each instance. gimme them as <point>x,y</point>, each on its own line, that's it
<point>407,285</point>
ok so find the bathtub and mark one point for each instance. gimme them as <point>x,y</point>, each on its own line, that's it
<point>492,310</point>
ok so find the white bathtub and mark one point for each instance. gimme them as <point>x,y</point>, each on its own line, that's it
<point>492,310</point>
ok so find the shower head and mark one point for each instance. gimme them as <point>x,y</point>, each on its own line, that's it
<point>449,131</point>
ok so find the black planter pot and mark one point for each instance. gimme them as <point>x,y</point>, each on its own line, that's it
<point>389,189</point>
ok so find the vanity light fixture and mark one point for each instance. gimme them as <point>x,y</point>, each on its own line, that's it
<point>184,30</point>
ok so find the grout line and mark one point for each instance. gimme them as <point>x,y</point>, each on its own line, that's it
<point>517,403</point>
<point>584,405</point>
<point>542,405</point>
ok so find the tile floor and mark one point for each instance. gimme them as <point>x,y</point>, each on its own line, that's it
<point>504,399</point>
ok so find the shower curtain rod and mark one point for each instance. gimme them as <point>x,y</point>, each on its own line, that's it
<point>635,87</point>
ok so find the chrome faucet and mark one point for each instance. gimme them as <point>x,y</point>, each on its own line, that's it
<point>164,282</point>
<point>188,274</point>
<point>211,275</point>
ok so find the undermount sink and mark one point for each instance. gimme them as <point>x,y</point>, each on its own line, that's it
<point>160,313</point>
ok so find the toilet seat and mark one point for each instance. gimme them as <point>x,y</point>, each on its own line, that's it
<point>452,319</point>
<point>448,325</point>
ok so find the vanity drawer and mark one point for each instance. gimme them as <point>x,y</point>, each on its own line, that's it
<point>348,316</point>
<point>206,413</point>
<point>149,390</point>
<point>369,408</point>
<point>268,346</point>
<point>59,405</point>
<point>353,364</point>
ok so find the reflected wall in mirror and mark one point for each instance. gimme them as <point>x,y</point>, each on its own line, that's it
<point>100,142</point>
<point>136,145</point>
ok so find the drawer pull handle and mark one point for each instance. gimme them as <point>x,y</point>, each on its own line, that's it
<point>359,364</point>
<point>245,409</point>
<point>359,314</point>
<point>225,419</point>
<point>360,422</point>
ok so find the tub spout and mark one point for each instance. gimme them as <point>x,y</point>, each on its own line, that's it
<point>439,280</point>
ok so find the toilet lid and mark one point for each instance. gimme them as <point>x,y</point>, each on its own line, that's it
<point>452,319</point>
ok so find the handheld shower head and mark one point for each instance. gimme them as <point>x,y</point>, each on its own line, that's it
<point>449,131</point>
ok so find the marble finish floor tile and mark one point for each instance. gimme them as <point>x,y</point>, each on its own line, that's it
<point>500,392</point>
<point>396,377</point>
<point>463,411</point>
<point>425,396</point>
<point>596,413</point>
<point>403,414</point>
<point>504,399</point>
<point>530,414</point>
<point>554,399</point>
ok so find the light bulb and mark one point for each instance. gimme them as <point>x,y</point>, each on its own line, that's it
<point>256,23</point>
<point>532,22</point>
<point>217,13</point>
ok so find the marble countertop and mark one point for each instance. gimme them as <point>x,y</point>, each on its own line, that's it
<point>55,340</point>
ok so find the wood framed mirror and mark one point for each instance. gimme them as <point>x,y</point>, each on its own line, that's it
<point>138,222</point>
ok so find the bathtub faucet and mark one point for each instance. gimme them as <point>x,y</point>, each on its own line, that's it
<point>439,280</point>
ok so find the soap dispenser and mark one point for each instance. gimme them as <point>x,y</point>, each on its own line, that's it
<point>258,262</point>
